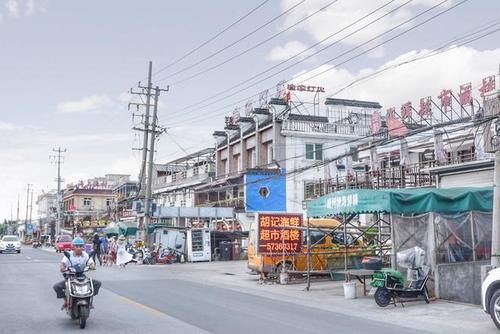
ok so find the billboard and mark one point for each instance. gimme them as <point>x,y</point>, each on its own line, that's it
<point>265,190</point>
<point>272,238</point>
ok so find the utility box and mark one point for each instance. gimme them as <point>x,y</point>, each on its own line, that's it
<point>198,245</point>
<point>226,250</point>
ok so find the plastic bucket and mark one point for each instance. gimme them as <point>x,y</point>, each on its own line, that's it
<point>350,290</point>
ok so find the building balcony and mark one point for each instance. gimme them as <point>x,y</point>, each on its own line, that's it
<point>387,178</point>
<point>327,128</point>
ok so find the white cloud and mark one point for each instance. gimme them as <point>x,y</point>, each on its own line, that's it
<point>30,7</point>
<point>344,13</point>
<point>413,81</point>
<point>290,49</point>
<point>93,103</point>
<point>7,126</point>
<point>128,165</point>
<point>18,8</point>
<point>13,8</point>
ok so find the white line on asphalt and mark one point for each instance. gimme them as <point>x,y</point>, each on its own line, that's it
<point>145,307</point>
<point>29,258</point>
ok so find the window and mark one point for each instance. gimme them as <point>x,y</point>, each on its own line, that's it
<point>270,152</point>
<point>108,202</point>
<point>314,151</point>
<point>240,167</point>
<point>87,201</point>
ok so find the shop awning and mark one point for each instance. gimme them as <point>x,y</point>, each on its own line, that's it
<point>127,228</point>
<point>402,201</point>
<point>112,229</point>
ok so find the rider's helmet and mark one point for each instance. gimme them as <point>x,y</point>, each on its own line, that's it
<point>78,242</point>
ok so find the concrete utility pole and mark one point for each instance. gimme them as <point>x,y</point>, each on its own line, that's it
<point>27,205</point>
<point>58,159</point>
<point>17,216</point>
<point>147,201</point>
<point>495,230</point>
<point>150,133</point>
<point>31,206</point>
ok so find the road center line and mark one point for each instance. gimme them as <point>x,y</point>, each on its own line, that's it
<point>145,307</point>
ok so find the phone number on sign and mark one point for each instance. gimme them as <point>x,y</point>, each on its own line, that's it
<point>274,246</point>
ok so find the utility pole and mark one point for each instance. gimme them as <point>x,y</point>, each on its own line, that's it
<point>495,230</point>
<point>58,159</point>
<point>31,206</point>
<point>17,216</point>
<point>150,133</point>
<point>27,204</point>
<point>147,200</point>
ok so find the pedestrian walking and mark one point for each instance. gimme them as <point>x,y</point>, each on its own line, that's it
<point>96,243</point>
<point>122,256</point>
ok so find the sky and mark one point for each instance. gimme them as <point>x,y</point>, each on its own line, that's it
<point>66,68</point>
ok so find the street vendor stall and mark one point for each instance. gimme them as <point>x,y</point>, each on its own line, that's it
<point>452,225</point>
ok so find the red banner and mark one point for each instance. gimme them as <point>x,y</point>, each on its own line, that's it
<point>396,127</point>
<point>445,98</point>
<point>487,85</point>
<point>272,238</point>
<point>465,95</point>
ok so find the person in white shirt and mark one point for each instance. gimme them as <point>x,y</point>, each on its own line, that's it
<point>77,257</point>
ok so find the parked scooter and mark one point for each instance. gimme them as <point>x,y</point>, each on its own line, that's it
<point>79,292</point>
<point>163,256</point>
<point>390,284</point>
<point>35,243</point>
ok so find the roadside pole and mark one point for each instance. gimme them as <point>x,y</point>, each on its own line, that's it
<point>495,232</point>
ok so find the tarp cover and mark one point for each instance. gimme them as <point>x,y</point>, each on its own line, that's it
<point>402,201</point>
<point>127,228</point>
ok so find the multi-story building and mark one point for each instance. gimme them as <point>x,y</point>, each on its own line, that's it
<point>47,211</point>
<point>90,205</point>
<point>124,193</point>
<point>174,185</point>
<point>264,159</point>
<point>173,182</point>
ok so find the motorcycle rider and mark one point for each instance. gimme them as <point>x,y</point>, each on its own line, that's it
<point>77,256</point>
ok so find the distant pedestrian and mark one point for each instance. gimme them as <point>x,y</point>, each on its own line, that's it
<point>122,256</point>
<point>96,243</point>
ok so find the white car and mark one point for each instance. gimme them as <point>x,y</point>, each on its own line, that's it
<point>10,243</point>
<point>490,295</point>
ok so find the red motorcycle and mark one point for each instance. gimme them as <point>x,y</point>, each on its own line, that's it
<point>163,256</point>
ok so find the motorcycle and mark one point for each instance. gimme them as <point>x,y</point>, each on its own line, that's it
<point>390,284</point>
<point>36,243</point>
<point>147,257</point>
<point>79,292</point>
<point>162,256</point>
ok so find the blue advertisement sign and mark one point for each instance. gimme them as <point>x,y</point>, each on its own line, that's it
<point>265,190</point>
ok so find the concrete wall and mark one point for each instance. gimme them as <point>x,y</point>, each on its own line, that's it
<point>461,281</point>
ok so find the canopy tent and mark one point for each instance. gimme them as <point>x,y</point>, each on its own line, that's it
<point>127,228</point>
<point>112,229</point>
<point>402,201</point>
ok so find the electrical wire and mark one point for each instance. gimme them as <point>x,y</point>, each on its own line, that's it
<point>350,50</point>
<point>184,69</point>
<point>353,23</point>
<point>212,38</point>
<point>253,47</point>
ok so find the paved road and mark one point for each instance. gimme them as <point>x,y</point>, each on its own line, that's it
<point>133,301</point>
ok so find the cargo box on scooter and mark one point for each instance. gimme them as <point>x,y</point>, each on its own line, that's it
<point>371,263</point>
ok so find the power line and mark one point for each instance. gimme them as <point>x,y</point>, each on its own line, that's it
<point>350,50</point>
<point>212,38</point>
<point>253,47</point>
<point>290,58</point>
<point>356,151</point>
<point>435,52</point>
<point>233,43</point>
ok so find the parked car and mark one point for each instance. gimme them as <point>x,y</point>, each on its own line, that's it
<point>10,243</point>
<point>490,295</point>
<point>63,243</point>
